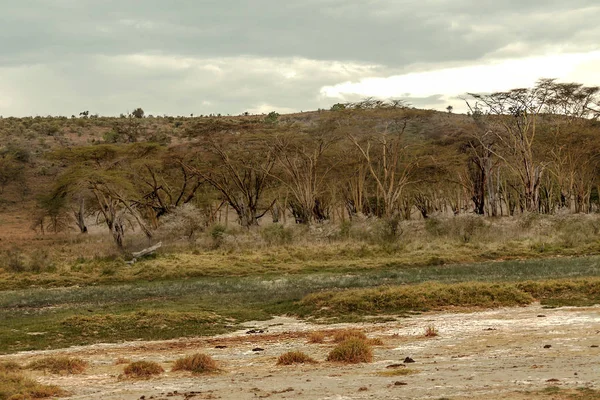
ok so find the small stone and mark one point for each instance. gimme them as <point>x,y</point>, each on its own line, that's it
<point>258,349</point>
<point>594,346</point>
<point>547,346</point>
<point>541,316</point>
<point>408,360</point>
<point>398,383</point>
<point>363,389</point>
<point>220,346</point>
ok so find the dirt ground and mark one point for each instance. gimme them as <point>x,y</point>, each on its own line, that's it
<point>503,353</point>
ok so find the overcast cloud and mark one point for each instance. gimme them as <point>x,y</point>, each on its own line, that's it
<point>179,57</point>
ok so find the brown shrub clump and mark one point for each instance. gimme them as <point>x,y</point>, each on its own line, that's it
<point>294,357</point>
<point>316,337</point>
<point>430,331</point>
<point>346,334</point>
<point>143,369</point>
<point>197,364</point>
<point>59,365</point>
<point>14,386</point>
<point>351,351</point>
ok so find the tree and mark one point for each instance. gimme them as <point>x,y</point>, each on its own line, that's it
<point>138,113</point>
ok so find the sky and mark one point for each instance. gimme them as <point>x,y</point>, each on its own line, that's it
<point>181,57</point>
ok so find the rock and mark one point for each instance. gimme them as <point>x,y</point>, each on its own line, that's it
<point>220,346</point>
<point>594,346</point>
<point>251,331</point>
<point>408,360</point>
<point>547,346</point>
<point>363,389</point>
<point>398,383</point>
<point>553,380</point>
<point>541,316</point>
<point>258,349</point>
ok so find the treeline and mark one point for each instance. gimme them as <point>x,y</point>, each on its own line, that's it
<point>525,150</point>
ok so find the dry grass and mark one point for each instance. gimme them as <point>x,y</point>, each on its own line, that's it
<point>59,365</point>
<point>375,342</point>
<point>15,386</point>
<point>316,337</point>
<point>197,364</point>
<point>351,351</point>
<point>430,331</point>
<point>343,335</point>
<point>9,366</point>
<point>143,369</point>
<point>294,357</point>
<point>122,360</point>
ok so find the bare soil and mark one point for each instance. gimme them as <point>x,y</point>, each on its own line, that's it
<point>492,354</point>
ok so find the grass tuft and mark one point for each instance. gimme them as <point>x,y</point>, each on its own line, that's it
<point>430,331</point>
<point>346,334</point>
<point>197,364</point>
<point>351,351</point>
<point>294,357</point>
<point>59,365</point>
<point>143,369</point>
<point>14,386</point>
<point>316,337</point>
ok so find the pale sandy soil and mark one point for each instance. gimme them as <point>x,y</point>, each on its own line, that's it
<point>492,354</point>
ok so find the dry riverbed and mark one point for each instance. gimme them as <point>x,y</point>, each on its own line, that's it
<point>502,353</point>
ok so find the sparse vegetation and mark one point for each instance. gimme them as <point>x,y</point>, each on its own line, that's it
<point>15,386</point>
<point>59,365</point>
<point>316,337</point>
<point>198,364</point>
<point>351,351</point>
<point>294,357</point>
<point>398,372</point>
<point>143,369</point>
<point>431,331</point>
<point>346,334</point>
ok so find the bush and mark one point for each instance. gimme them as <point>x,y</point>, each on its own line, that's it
<point>143,369</point>
<point>14,386</point>
<point>294,357</point>
<point>316,337</point>
<point>184,221</point>
<point>217,233</point>
<point>346,334</point>
<point>197,364</point>
<point>58,365</point>
<point>430,331</point>
<point>351,351</point>
<point>276,234</point>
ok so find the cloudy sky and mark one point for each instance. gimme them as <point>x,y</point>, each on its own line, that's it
<point>177,57</point>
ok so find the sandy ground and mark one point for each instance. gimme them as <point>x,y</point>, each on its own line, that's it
<point>492,354</point>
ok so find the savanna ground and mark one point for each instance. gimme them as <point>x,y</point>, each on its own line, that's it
<point>493,293</point>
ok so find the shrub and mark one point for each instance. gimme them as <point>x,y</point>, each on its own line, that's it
<point>316,337</point>
<point>351,351</point>
<point>197,364</point>
<point>217,233</point>
<point>430,331</point>
<point>346,334</point>
<point>276,234</point>
<point>294,357</point>
<point>143,369</point>
<point>57,365</point>
<point>14,386</point>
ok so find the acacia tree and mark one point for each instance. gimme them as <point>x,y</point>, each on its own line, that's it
<point>303,167</point>
<point>388,161</point>
<point>240,169</point>
<point>513,118</point>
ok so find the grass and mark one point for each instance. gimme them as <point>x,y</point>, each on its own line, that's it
<point>431,331</point>
<point>316,337</point>
<point>42,318</point>
<point>294,357</point>
<point>14,385</point>
<point>436,296</point>
<point>557,393</point>
<point>346,334</point>
<point>351,351</point>
<point>197,364</point>
<point>59,365</point>
<point>142,369</point>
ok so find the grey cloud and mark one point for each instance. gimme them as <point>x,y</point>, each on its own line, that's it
<point>63,56</point>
